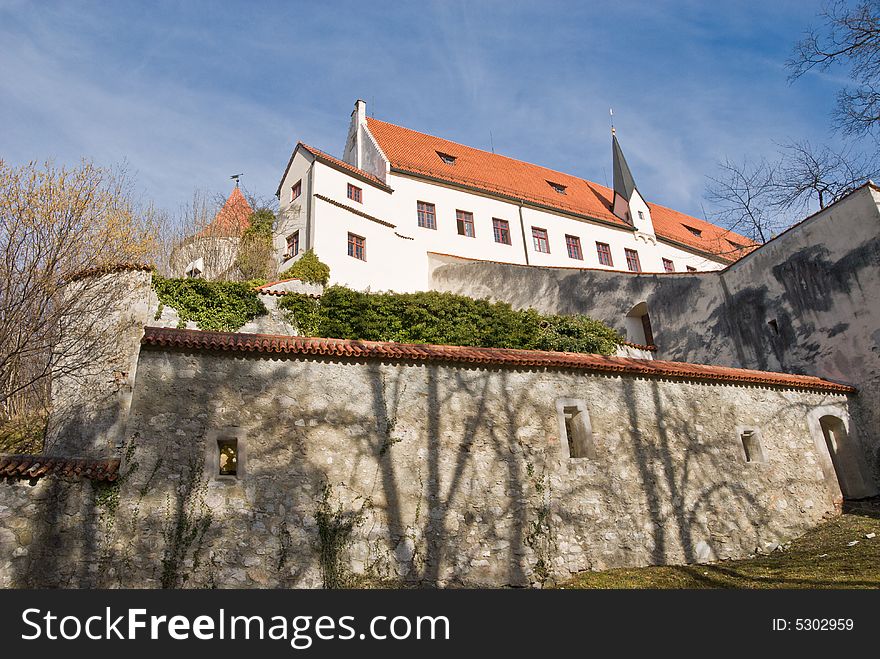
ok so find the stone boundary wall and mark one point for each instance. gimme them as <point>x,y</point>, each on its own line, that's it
<point>806,302</point>
<point>422,472</point>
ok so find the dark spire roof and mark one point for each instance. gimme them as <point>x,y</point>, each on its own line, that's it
<point>623,178</point>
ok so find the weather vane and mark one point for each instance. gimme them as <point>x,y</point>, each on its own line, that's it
<point>611,114</point>
<point>235,178</point>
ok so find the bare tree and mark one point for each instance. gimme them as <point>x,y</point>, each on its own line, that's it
<point>848,37</point>
<point>808,175</point>
<point>759,199</point>
<point>743,194</point>
<point>212,240</point>
<point>56,222</point>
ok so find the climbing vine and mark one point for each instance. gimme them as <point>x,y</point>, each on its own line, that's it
<point>335,527</point>
<point>186,526</point>
<point>540,536</point>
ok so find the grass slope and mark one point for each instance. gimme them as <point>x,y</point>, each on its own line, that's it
<point>822,558</point>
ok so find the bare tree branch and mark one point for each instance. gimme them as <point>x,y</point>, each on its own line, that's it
<point>849,37</point>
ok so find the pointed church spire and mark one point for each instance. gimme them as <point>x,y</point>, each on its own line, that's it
<point>624,185</point>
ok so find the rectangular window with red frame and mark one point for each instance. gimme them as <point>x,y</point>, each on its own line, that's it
<point>465,223</point>
<point>355,193</point>
<point>357,246</point>
<point>604,252</point>
<point>668,265</point>
<point>296,190</point>
<point>501,229</point>
<point>632,260</point>
<point>573,244</point>
<point>539,237</point>
<point>293,244</point>
<point>427,215</point>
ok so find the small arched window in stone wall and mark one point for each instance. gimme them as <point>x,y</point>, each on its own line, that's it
<point>575,429</point>
<point>843,457</point>
<point>638,325</point>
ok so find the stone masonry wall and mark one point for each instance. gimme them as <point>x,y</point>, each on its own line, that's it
<point>819,283</point>
<point>444,474</point>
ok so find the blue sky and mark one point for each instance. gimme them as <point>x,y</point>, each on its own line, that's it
<point>189,93</point>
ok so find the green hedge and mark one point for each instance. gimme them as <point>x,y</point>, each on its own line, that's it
<point>213,305</point>
<point>444,319</point>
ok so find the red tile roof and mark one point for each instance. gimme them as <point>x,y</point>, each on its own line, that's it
<point>37,466</point>
<point>232,219</point>
<point>417,153</point>
<point>295,345</point>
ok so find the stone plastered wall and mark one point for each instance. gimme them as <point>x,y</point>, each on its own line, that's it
<point>447,475</point>
<point>819,281</point>
<point>91,391</point>
<point>49,533</point>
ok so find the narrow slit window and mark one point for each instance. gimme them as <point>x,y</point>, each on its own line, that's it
<point>228,457</point>
<point>575,424</point>
<point>751,442</point>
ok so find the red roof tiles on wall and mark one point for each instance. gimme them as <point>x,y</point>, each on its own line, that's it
<point>37,466</point>
<point>295,345</point>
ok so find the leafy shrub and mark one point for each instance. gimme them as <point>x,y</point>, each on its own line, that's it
<point>444,319</point>
<point>308,268</point>
<point>256,256</point>
<point>213,305</point>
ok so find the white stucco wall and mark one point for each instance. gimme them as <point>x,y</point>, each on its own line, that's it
<point>397,257</point>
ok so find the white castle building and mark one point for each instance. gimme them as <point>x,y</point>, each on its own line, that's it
<point>400,202</point>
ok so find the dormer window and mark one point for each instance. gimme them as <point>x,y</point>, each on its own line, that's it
<point>697,232</point>
<point>735,245</point>
<point>445,157</point>
<point>558,187</point>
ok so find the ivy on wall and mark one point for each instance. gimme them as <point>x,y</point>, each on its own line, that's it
<point>443,319</point>
<point>213,305</point>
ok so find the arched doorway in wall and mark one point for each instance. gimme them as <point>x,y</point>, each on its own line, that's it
<point>843,456</point>
<point>638,325</point>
